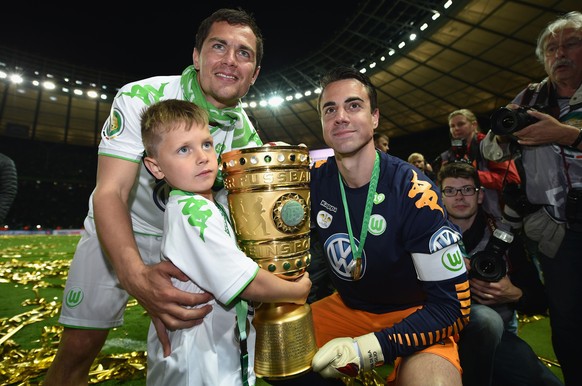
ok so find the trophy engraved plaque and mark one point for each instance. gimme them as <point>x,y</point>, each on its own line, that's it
<point>268,197</point>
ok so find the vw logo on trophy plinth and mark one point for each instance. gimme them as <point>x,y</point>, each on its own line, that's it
<point>268,197</point>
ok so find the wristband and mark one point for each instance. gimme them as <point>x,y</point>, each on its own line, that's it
<point>578,140</point>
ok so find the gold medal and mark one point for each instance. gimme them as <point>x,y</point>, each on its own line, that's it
<point>357,270</point>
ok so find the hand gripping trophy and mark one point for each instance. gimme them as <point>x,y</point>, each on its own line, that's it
<point>268,197</point>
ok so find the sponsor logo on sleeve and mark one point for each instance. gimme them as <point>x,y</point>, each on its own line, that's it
<point>115,124</point>
<point>443,238</point>
<point>452,259</point>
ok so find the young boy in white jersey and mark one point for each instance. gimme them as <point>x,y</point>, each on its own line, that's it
<point>201,242</point>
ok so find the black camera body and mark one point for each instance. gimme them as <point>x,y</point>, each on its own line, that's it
<point>506,121</point>
<point>515,197</point>
<point>458,149</point>
<point>489,264</point>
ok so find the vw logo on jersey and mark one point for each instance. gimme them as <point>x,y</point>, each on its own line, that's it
<point>339,253</point>
<point>443,238</point>
<point>161,192</point>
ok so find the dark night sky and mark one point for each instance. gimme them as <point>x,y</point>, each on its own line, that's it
<point>159,40</point>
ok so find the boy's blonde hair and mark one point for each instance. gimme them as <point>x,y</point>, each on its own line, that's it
<point>167,115</point>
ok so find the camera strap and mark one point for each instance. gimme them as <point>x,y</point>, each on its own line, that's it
<point>546,96</point>
<point>528,94</point>
<point>473,150</point>
<point>566,167</point>
<point>475,234</point>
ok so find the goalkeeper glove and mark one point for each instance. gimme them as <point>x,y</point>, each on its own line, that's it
<point>346,356</point>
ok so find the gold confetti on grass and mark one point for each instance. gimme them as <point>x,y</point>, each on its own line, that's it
<point>36,265</point>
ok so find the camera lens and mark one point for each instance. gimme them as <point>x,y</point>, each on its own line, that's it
<point>487,266</point>
<point>506,121</point>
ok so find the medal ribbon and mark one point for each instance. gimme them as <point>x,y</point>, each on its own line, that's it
<point>242,308</point>
<point>357,252</point>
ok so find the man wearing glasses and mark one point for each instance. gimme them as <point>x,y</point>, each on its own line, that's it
<point>491,353</point>
<point>550,145</point>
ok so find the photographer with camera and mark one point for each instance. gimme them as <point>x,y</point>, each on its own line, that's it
<point>549,148</point>
<point>502,280</point>
<point>466,146</point>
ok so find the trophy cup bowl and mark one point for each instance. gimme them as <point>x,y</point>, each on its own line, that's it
<point>268,197</point>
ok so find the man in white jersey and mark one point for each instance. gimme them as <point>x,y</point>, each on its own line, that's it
<point>119,252</point>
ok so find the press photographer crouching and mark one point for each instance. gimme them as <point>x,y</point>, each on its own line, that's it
<point>503,280</point>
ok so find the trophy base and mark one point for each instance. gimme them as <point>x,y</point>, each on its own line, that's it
<point>285,340</point>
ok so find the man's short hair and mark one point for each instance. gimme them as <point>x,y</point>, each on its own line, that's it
<point>344,72</point>
<point>458,169</point>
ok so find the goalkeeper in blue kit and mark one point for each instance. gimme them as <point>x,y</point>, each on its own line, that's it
<point>402,291</point>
